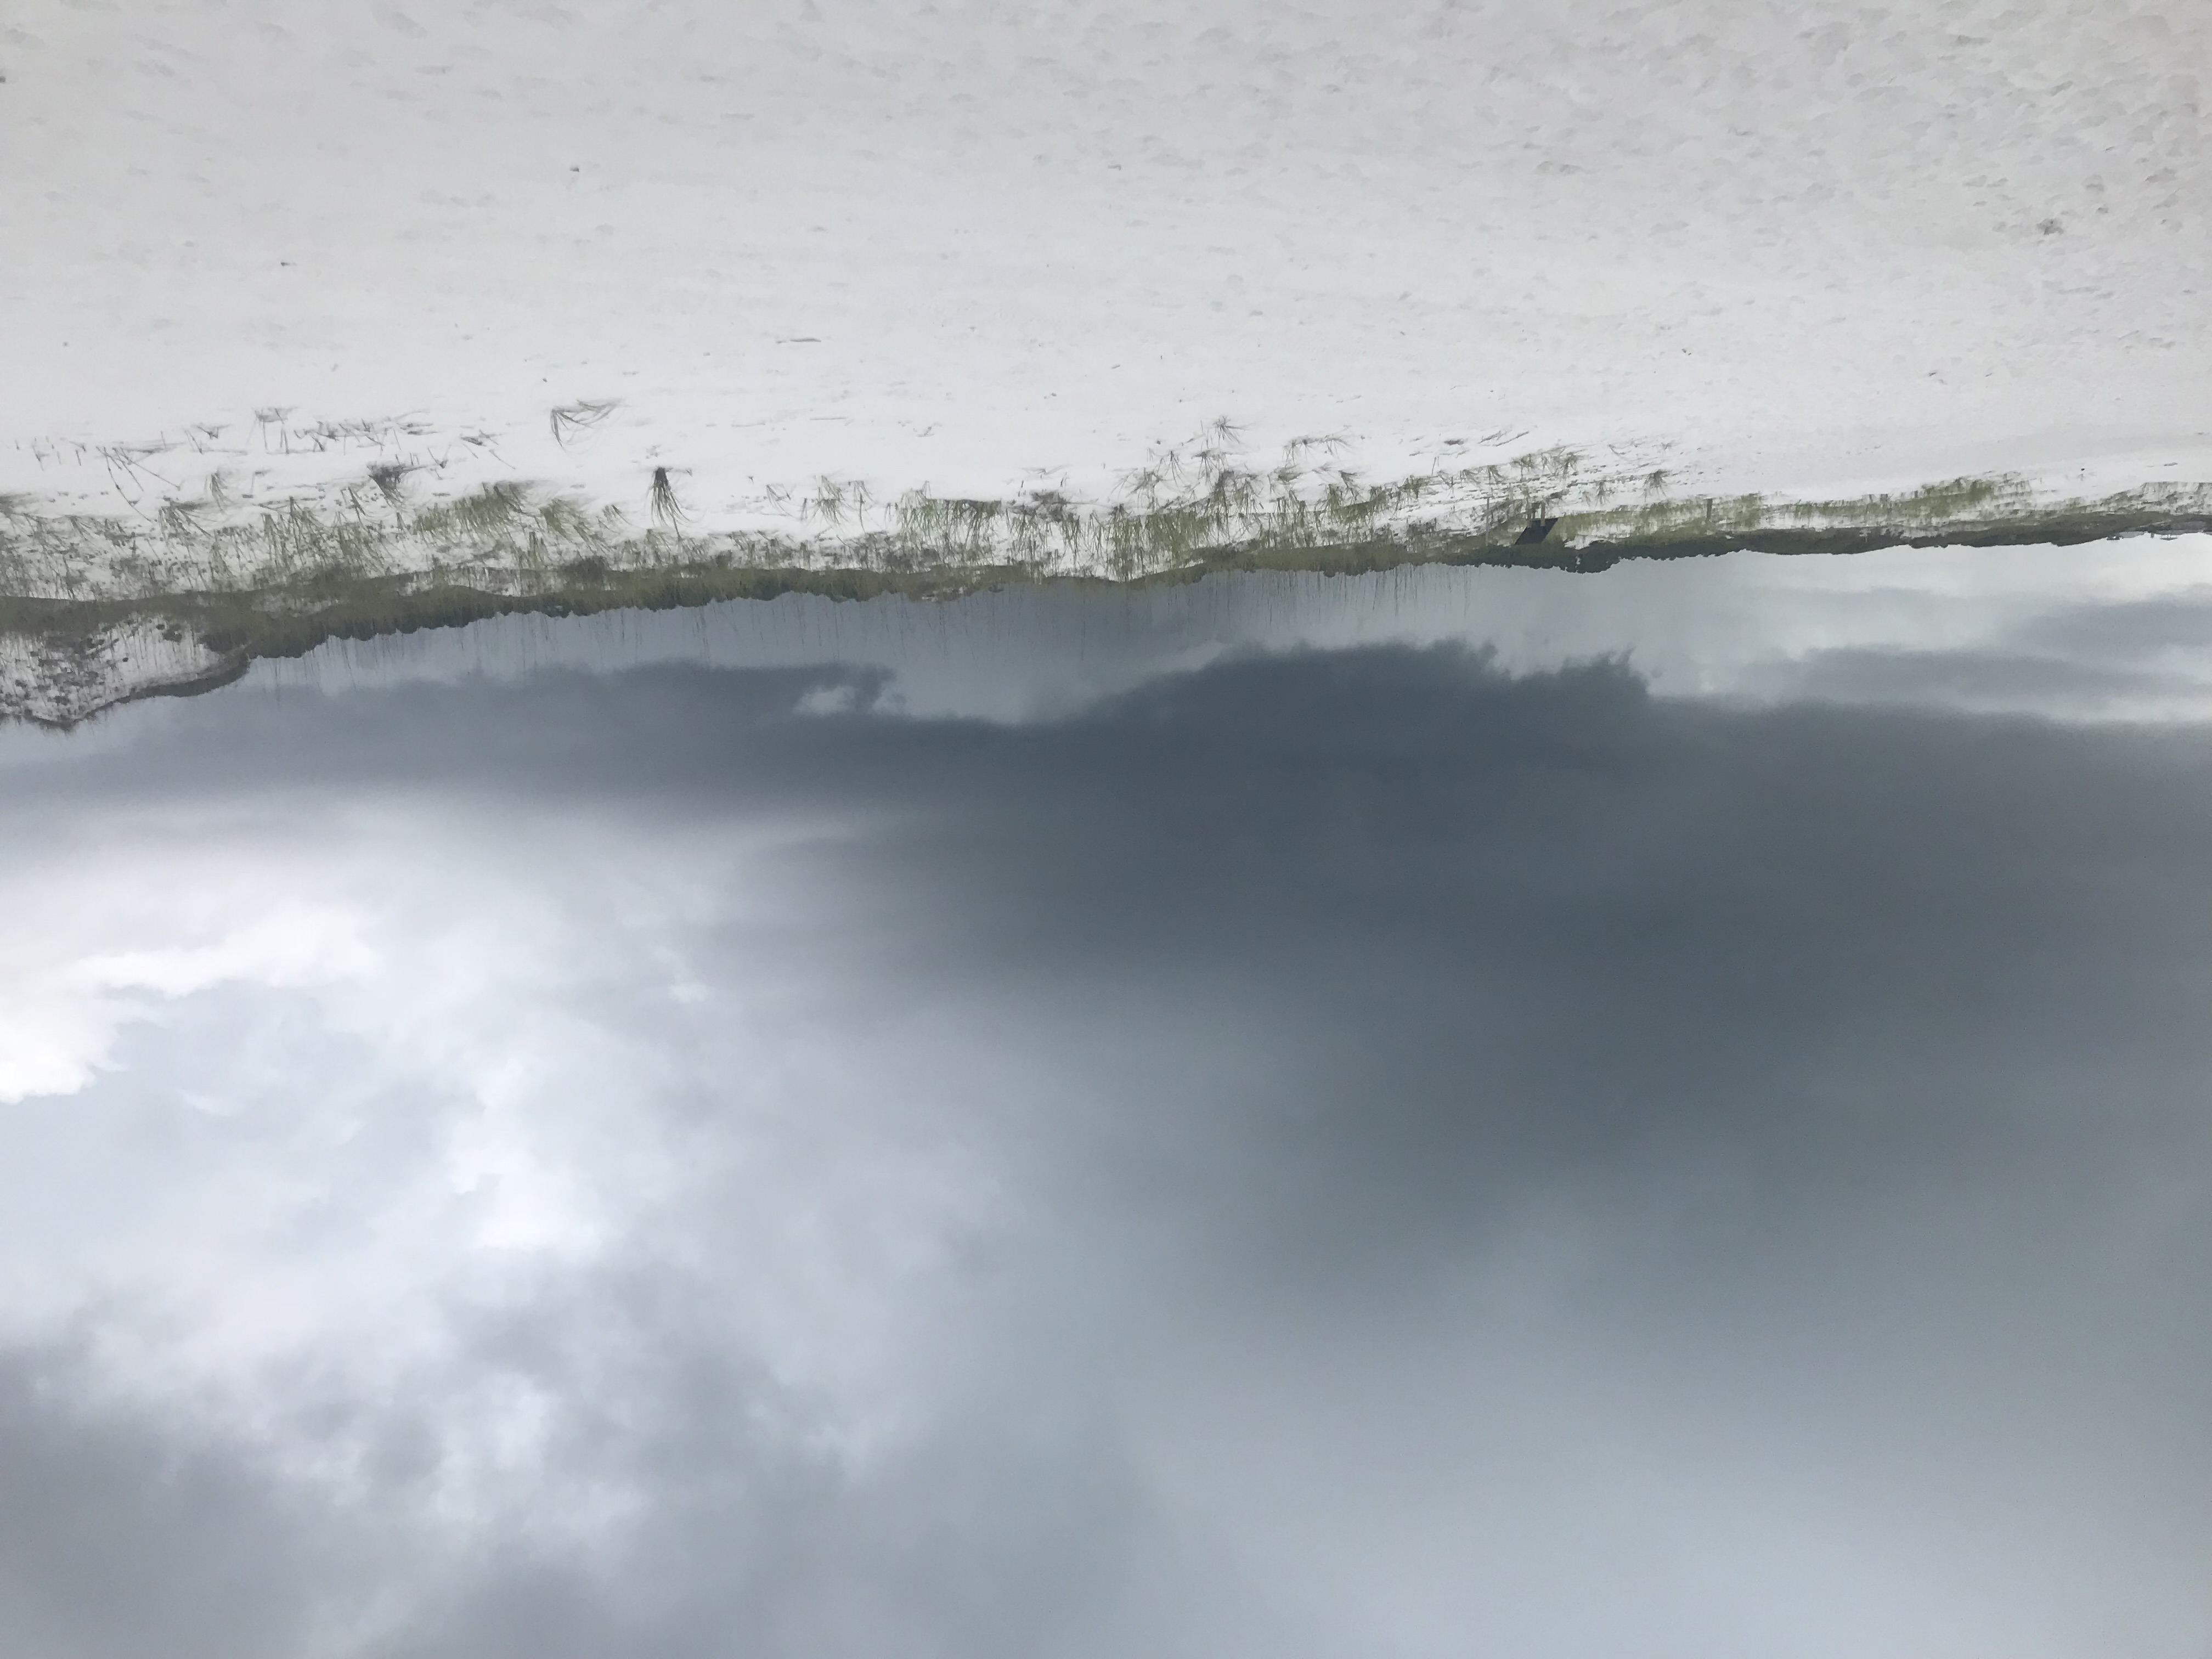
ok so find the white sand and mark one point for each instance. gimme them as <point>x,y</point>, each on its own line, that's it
<point>1810,247</point>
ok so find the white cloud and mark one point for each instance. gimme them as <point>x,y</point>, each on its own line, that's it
<point>329,1089</point>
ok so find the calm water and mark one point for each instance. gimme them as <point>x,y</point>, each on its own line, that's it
<point>1663,1113</point>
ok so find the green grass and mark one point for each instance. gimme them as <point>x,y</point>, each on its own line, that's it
<point>1185,508</point>
<point>257,580</point>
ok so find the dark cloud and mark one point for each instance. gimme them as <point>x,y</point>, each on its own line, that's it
<point>121,1535</point>
<point>1642,1175</point>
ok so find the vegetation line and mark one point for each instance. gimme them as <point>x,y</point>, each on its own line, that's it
<point>182,591</point>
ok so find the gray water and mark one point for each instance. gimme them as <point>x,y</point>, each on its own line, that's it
<point>1482,1112</point>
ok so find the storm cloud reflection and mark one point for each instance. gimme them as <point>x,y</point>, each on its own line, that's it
<point>1325,1152</point>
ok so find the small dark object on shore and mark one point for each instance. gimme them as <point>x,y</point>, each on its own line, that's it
<point>1537,529</point>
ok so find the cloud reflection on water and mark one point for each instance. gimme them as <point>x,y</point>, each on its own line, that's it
<point>2116,630</point>
<point>1315,1151</point>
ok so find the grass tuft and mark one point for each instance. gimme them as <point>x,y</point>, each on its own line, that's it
<point>389,478</point>
<point>571,421</point>
<point>667,510</point>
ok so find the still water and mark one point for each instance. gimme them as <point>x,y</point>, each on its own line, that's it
<point>1463,1111</point>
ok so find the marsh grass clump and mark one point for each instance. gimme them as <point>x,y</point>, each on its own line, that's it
<point>389,478</point>
<point>1192,506</point>
<point>1972,509</point>
<point>225,575</point>
<point>660,499</point>
<point>484,515</point>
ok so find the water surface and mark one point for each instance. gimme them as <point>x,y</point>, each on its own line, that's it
<point>1483,1110</point>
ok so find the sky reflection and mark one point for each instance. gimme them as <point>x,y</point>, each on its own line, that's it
<point>2116,630</point>
<point>1330,1122</point>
